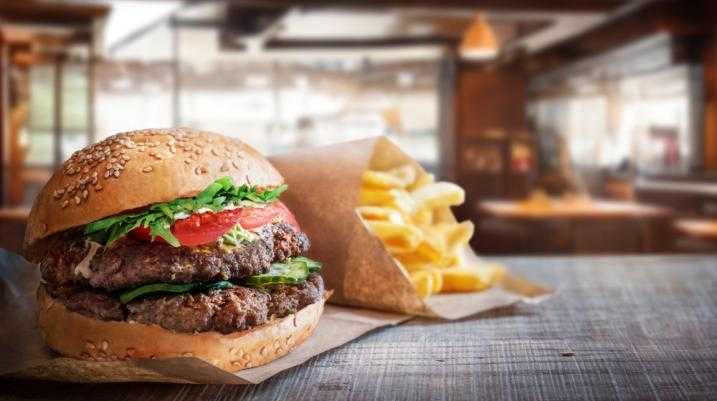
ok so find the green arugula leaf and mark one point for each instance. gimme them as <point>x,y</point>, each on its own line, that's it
<point>160,288</point>
<point>160,217</point>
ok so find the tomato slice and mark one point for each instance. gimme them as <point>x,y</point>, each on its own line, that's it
<point>253,217</point>
<point>203,228</point>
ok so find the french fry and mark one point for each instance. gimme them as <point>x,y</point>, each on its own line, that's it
<point>380,213</point>
<point>421,181</point>
<point>462,279</point>
<point>437,281</point>
<point>396,198</point>
<point>472,278</point>
<point>411,215</point>
<point>438,194</point>
<point>423,217</point>
<point>406,174</point>
<point>399,177</point>
<point>398,238</point>
<point>423,282</point>
<point>457,235</point>
<point>381,180</point>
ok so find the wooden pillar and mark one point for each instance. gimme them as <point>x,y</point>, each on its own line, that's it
<point>490,111</point>
<point>57,106</point>
<point>176,79</point>
<point>3,114</point>
<point>709,60</point>
<point>91,89</point>
<point>446,115</point>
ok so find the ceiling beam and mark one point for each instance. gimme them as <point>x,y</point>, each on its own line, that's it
<point>345,43</point>
<point>50,13</point>
<point>486,5</point>
<point>670,16</point>
<point>341,43</point>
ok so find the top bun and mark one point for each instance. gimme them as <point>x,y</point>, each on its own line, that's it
<point>135,169</point>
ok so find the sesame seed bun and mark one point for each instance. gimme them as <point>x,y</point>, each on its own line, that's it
<point>135,169</point>
<point>79,336</point>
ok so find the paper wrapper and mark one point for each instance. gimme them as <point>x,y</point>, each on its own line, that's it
<point>23,353</point>
<point>324,186</point>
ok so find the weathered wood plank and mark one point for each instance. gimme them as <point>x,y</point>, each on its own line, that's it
<point>620,328</point>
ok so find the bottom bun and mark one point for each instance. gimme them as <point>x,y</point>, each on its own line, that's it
<point>82,337</point>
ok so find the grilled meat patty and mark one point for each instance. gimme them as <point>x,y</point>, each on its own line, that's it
<point>229,310</point>
<point>130,263</point>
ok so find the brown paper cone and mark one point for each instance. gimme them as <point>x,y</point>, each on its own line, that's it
<point>324,191</point>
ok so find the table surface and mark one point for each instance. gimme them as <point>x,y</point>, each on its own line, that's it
<point>619,328</point>
<point>578,208</point>
<point>697,228</point>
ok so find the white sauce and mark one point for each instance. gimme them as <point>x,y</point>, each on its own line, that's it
<point>184,215</point>
<point>83,267</point>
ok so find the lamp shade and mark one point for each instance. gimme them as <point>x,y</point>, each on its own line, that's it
<point>479,41</point>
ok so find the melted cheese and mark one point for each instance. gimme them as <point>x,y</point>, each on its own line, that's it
<point>83,268</point>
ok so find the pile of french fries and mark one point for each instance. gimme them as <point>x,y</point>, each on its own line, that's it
<point>409,212</point>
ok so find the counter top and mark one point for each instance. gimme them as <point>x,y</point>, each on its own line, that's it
<point>627,328</point>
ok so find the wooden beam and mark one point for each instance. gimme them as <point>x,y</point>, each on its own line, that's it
<point>661,16</point>
<point>345,43</point>
<point>3,114</point>
<point>50,13</point>
<point>487,5</point>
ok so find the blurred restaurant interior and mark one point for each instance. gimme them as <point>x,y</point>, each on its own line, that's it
<point>576,127</point>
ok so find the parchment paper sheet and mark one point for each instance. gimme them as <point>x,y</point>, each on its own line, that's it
<point>324,184</point>
<point>24,354</point>
<point>323,192</point>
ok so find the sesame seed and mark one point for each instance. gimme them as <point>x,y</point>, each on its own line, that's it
<point>85,193</point>
<point>77,200</point>
<point>147,169</point>
<point>98,187</point>
<point>65,203</point>
<point>125,157</point>
<point>116,174</point>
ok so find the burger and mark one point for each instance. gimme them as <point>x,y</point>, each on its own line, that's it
<point>171,243</point>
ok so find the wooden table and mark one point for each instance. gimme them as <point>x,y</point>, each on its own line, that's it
<point>572,226</point>
<point>561,209</point>
<point>619,328</point>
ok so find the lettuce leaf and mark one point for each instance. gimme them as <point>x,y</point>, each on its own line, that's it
<point>163,288</point>
<point>159,217</point>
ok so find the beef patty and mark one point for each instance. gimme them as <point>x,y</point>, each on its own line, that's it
<point>128,263</point>
<point>229,310</point>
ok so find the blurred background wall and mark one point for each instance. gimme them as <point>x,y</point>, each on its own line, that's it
<point>575,127</point>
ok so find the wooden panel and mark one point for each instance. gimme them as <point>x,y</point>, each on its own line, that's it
<point>619,328</point>
<point>488,101</point>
